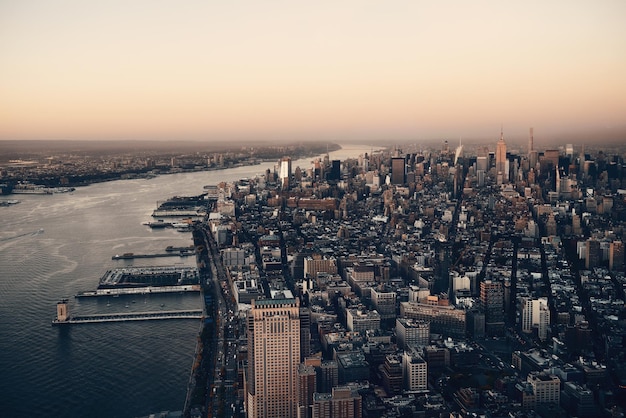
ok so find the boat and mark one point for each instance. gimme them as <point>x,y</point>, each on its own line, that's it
<point>158,224</point>
<point>9,202</point>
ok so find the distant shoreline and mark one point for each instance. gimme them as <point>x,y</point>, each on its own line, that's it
<point>32,177</point>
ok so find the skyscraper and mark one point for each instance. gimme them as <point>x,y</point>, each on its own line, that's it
<point>532,152</point>
<point>285,172</point>
<point>616,256</point>
<point>501,157</point>
<point>273,358</point>
<point>307,385</point>
<point>398,170</point>
<point>335,170</point>
<point>594,254</point>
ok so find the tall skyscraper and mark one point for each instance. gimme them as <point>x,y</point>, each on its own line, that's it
<point>335,170</point>
<point>307,386</point>
<point>594,254</point>
<point>285,172</point>
<point>273,358</point>
<point>501,157</point>
<point>533,156</point>
<point>398,170</point>
<point>616,256</point>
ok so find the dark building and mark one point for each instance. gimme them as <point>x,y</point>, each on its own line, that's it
<point>391,370</point>
<point>593,258</point>
<point>398,171</point>
<point>335,170</point>
<point>492,299</point>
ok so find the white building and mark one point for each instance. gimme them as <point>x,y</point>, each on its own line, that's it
<point>414,371</point>
<point>546,387</point>
<point>285,172</point>
<point>536,314</point>
<point>412,332</point>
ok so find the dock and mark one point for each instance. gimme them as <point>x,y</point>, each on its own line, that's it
<point>132,256</point>
<point>194,215</point>
<point>130,316</point>
<point>138,290</point>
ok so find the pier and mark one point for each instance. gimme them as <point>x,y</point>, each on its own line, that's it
<point>129,316</point>
<point>138,290</point>
<point>132,256</point>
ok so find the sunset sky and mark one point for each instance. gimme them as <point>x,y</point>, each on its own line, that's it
<point>292,70</point>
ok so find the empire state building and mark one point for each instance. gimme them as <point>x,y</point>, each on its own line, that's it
<point>501,157</point>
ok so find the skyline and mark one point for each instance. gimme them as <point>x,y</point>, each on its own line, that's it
<point>353,71</point>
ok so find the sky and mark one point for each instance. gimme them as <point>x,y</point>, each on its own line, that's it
<point>290,70</point>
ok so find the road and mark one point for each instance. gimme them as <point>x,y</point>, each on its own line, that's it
<point>223,388</point>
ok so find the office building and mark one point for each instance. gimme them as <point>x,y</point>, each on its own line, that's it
<point>446,320</point>
<point>594,255</point>
<point>342,402</point>
<point>307,386</point>
<point>285,172</point>
<point>536,315</point>
<point>384,302</point>
<point>334,170</point>
<point>412,332</point>
<point>361,320</point>
<point>492,299</point>
<point>391,372</point>
<point>616,256</point>
<point>546,387</point>
<point>398,171</point>
<point>414,371</point>
<point>273,358</point>
<point>319,264</point>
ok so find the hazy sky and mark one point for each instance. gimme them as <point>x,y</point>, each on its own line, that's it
<point>390,70</point>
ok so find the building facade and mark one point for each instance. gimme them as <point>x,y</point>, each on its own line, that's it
<point>414,371</point>
<point>273,358</point>
<point>536,314</point>
<point>412,332</point>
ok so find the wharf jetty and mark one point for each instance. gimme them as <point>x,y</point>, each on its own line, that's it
<point>173,213</point>
<point>138,290</point>
<point>171,248</point>
<point>143,280</point>
<point>63,316</point>
<point>132,256</point>
<point>157,276</point>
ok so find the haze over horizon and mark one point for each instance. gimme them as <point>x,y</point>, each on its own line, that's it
<point>348,71</point>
